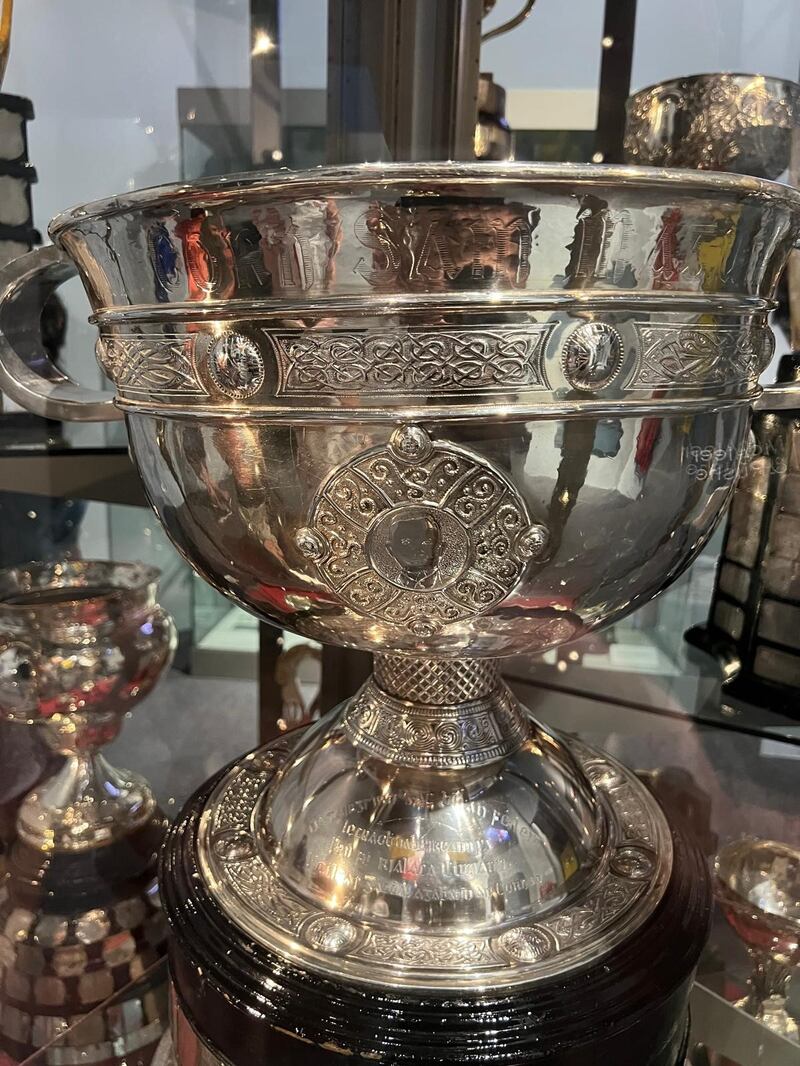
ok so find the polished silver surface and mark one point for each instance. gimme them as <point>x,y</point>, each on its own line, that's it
<point>378,869</point>
<point>442,412</point>
<point>81,643</point>
<point>738,123</point>
<point>758,887</point>
<point>575,334</point>
<point>568,522</point>
<point>442,714</point>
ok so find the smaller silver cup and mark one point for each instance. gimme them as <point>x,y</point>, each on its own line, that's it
<point>758,887</point>
<point>80,644</point>
<point>738,123</point>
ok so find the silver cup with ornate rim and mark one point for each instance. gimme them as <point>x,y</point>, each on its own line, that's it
<point>737,123</point>
<point>81,643</point>
<point>444,413</point>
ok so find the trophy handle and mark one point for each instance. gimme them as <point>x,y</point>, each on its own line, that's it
<point>27,374</point>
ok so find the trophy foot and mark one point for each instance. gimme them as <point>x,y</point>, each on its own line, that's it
<point>431,851</point>
<point>88,803</point>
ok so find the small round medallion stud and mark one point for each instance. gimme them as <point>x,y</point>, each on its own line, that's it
<point>533,541</point>
<point>233,846</point>
<point>634,862</point>
<point>411,443</point>
<point>330,934</point>
<point>527,944</point>
<point>309,543</point>
<point>236,365</point>
<point>593,356</point>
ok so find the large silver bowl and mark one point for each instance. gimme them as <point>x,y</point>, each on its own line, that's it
<point>437,409</point>
<point>442,412</point>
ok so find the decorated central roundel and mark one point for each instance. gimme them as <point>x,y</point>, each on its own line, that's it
<point>420,533</point>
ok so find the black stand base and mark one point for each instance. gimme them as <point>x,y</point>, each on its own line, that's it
<point>245,1004</point>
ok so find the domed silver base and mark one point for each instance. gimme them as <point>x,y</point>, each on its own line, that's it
<point>432,841</point>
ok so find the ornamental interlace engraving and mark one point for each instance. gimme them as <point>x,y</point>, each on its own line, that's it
<point>465,735</point>
<point>150,364</point>
<point>405,363</point>
<point>696,355</point>
<point>419,533</point>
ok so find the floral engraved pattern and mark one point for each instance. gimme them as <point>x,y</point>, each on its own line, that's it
<point>406,362</point>
<point>150,364</point>
<point>696,355</point>
<point>419,534</point>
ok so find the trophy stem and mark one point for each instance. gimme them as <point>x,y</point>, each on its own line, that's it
<point>444,714</point>
<point>768,988</point>
<point>87,803</point>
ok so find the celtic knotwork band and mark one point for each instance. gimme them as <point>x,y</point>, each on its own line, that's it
<point>420,533</point>
<point>283,368</point>
<point>389,361</point>
<point>431,736</point>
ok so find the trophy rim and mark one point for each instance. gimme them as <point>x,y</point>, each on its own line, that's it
<point>324,181</point>
<point>690,80</point>
<point>13,583</point>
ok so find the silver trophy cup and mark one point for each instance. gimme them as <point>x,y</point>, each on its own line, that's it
<point>443,413</point>
<point>738,123</point>
<point>81,643</point>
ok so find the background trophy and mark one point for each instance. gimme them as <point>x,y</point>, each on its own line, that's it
<point>736,123</point>
<point>81,643</point>
<point>758,887</point>
<point>384,439</point>
<point>747,124</point>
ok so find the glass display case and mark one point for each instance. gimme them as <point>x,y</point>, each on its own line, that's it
<point>288,330</point>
